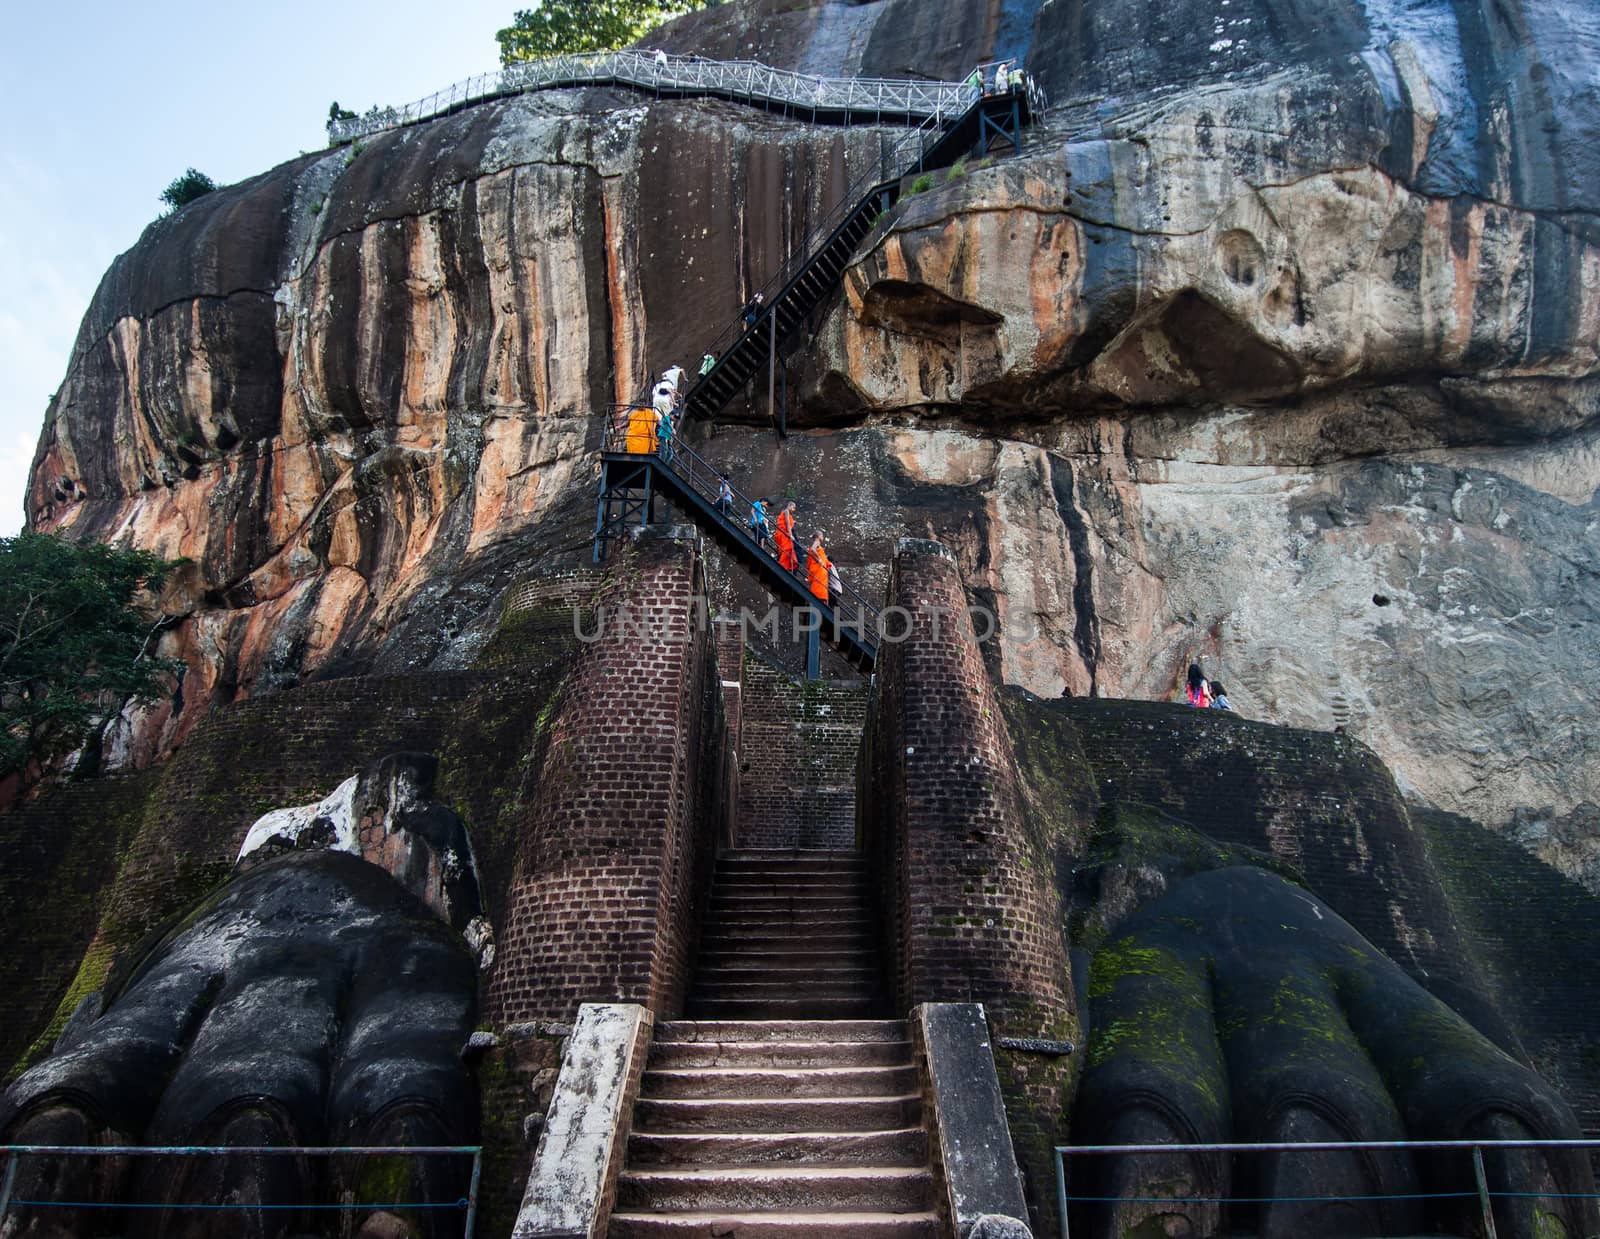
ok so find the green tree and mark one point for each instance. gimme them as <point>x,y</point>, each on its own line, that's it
<point>73,646</point>
<point>186,188</point>
<point>558,26</point>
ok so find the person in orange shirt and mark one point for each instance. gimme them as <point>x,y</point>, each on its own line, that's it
<point>784,537</point>
<point>817,565</point>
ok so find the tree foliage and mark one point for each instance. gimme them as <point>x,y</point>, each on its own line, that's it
<point>186,188</point>
<point>558,26</point>
<point>72,644</point>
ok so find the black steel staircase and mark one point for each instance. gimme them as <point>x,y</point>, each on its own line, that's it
<point>803,285</point>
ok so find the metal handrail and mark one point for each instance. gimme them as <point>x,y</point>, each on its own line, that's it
<point>13,1154</point>
<point>890,166</point>
<point>1483,1192</point>
<point>740,80</point>
<point>706,479</point>
<point>903,156</point>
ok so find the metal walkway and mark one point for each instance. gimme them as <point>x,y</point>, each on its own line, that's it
<point>636,469</point>
<point>827,100</point>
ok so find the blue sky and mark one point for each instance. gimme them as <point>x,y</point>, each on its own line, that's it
<point>105,103</point>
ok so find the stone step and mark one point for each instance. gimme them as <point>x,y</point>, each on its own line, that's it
<point>738,855</point>
<point>831,1031</point>
<point>787,970</point>
<point>807,879</point>
<point>718,941</point>
<point>750,1082</point>
<point>774,1226</point>
<point>724,901</point>
<point>680,1055</point>
<point>776,1114</point>
<point>797,1008</point>
<point>788,953</point>
<point>905,1146</point>
<point>764,991</point>
<point>894,1189</point>
<point>817,884</point>
<point>743,923</point>
<point>726,924</point>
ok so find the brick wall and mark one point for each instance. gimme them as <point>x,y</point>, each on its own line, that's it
<point>62,853</point>
<point>797,762</point>
<point>966,873</point>
<point>614,847</point>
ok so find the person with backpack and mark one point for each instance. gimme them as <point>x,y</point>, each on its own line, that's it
<point>1197,692</point>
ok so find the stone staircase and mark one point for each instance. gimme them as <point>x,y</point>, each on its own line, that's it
<point>789,933</point>
<point>782,1110</point>
<point>778,1129</point>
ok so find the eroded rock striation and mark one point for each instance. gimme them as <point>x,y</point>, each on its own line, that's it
<point>1274,348</point>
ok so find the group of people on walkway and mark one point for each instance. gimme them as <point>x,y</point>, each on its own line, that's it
<point>1203,693</point>
<point>778,538</point>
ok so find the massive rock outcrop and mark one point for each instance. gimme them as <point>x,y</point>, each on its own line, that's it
<point>1275,347</point>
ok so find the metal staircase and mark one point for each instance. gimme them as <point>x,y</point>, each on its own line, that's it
<point>636,469</point>
<point>790,296</point>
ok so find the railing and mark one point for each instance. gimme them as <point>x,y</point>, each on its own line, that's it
<point>902,99</point>
<point>630,430</point>
<point>1482,1192</point>
<point>902,156</point>
<point>14,1153</point>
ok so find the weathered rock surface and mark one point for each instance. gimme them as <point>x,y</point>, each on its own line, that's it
<point>1263,327</point>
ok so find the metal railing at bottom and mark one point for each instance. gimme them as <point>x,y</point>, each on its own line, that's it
<point>631,430</point>
<point>1482,1191</point>
<point>467,1205</point>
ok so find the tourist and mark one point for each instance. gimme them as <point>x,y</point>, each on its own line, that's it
<point>760,530</point>
<point>661,397</point>
<point>673,374</point>
<point>752,309</point>
<point>706,364</point>
<point>817,565</point>
<point>1197,691</point>
<point>784,539</point>
<point>1219,696</point>
<point>664,432</point>
<point>725,496</point>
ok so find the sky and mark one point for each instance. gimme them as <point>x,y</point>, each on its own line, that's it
<point>104,104</point>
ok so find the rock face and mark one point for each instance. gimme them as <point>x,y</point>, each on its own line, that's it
<point>1275,348</point>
